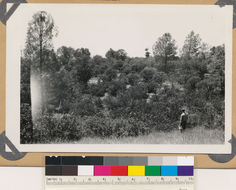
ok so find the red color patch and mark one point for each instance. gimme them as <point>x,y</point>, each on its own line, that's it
<point>119,170</point>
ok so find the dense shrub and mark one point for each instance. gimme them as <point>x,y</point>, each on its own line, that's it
<point>133,78</point>
<point>192,83</point>
<point>148,73</point>
<point>212,118</point>
<point>138,92</point>
<point>115,87</point>
<point>26,124</point>
<point>152,87</point>
<point>119,127</point>
<point>60,127</point>
<point>109,75</point>
<point>85,106</point>
<point>97,89</point>
<point>64,128</point>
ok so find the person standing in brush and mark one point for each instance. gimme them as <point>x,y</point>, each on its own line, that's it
<point>183,120</point>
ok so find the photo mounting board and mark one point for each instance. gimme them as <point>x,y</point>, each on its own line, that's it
<point>202,160</point>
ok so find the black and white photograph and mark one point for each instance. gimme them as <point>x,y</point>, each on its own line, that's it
<point>120,76</point>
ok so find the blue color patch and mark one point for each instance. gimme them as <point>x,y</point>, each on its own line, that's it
<point>169,170</point>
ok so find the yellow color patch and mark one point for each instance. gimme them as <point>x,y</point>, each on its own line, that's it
<point>136,170</point>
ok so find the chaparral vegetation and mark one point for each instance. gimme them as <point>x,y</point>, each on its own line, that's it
<point>69,96</point>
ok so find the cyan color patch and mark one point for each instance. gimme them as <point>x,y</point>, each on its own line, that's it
<point>169,170</point>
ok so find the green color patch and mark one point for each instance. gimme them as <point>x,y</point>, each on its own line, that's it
<point>152,170</point>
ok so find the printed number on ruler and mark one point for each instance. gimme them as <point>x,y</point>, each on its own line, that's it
<point>129,182</point>
<point>84,180</point>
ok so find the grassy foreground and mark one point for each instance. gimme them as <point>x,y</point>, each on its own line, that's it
<point>197,135</point>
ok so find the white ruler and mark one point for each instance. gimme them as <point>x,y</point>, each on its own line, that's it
<point>119,183</point>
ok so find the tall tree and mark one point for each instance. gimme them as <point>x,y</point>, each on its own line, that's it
<point>117,55</point>
<point>216,67</point>
<point>82,66</point>
<point>41,30</point>
<point>165,48</point>
<point>65,57</point>
<point>192,45</point>
<point>99,65</point>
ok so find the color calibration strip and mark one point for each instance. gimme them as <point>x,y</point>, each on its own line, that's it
<point>119,166</point>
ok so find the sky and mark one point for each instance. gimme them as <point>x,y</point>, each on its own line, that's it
<point>130,27</point>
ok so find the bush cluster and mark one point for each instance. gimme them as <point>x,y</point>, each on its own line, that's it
<point>66,127</point>
<point>49,128</point>
<point>25,123</point>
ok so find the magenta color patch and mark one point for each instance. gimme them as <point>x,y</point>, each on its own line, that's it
<point>102,170</point>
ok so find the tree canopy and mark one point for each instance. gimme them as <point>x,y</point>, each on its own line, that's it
<point>165,48</point>
<point>192,45</point>
<point>40,32</point>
